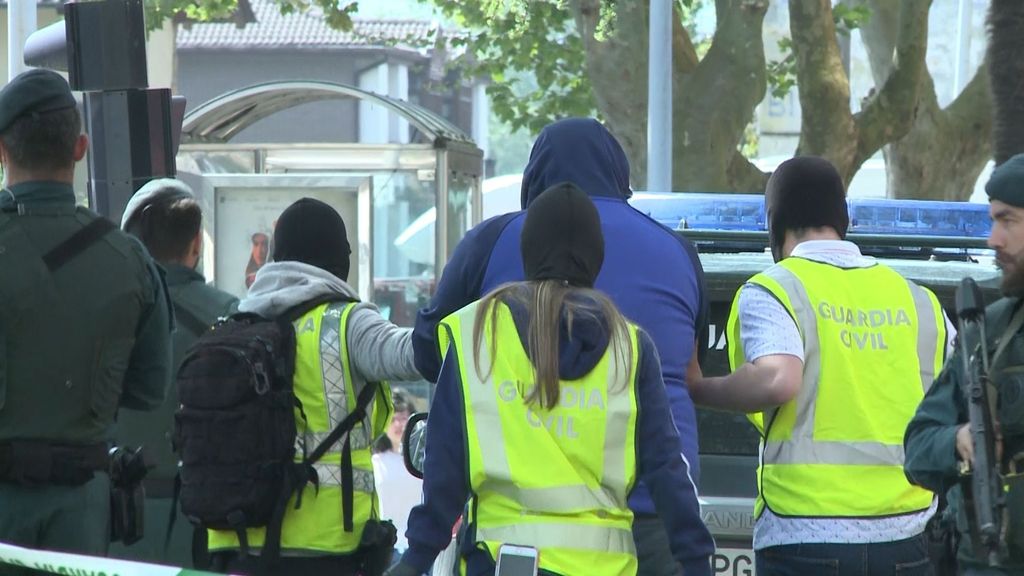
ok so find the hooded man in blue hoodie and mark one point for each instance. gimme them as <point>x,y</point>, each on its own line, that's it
<point>652,275</point>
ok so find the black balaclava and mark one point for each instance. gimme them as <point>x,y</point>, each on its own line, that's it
<point>561,237</point>
<point>804,192</point>
<point>311,232</point>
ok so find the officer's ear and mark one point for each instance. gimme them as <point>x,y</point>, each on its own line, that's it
<point>81,147</point>
<point>196,247</point>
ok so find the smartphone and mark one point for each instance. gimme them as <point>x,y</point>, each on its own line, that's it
<point>516,561</point>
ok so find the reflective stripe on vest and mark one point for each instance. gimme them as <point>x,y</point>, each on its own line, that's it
<point>537,477</point>
<point>888,338</point>
<point>324,385</point>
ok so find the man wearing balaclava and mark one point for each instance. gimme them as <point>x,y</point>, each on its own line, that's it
<point>553,334</point>
<point>652,275</point>
<point>938,439</point>
<point>831,353</point>
<point>342,345</point>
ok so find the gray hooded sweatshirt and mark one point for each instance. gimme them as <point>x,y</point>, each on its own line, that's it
<point>378,350</point>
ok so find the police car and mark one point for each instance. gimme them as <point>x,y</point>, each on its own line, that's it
<point>935,244</point>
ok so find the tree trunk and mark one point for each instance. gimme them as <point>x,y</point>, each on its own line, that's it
<point>828,126</point>
<point>942,156</point>
<point>1006,68</point>
<point>714,98</point>
<point>945,150</point>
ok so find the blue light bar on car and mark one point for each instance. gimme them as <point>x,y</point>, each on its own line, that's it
<point>919,218</point>
<point>703,211</point>
<point>745,212</point>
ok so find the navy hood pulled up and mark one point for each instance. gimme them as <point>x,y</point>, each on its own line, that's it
<point>577,150</point>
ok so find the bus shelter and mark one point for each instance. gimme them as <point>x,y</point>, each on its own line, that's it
<point>405,206</point>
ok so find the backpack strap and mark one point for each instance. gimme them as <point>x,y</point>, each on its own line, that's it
<point>296,483</point>
<point>302,473</point>
<point>357,415</point>
<point>77,243</point>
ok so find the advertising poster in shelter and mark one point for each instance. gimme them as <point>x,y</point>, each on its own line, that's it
<point>244,230</point>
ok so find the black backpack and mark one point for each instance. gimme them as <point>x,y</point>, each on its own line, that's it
<point>235,429</point>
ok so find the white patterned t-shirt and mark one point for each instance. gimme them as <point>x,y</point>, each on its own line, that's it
<point>766,328</point>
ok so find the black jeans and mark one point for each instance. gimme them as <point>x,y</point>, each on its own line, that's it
<point>234,563</point>
<point>654,557</point>
<point>901,558</point>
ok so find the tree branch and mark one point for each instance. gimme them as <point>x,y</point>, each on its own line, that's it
<point>617,70</point>
<point>717,101</point>
<point>826,121</point>
<point>889,115</point>
<point>744,177</point>
<point>713,100</point>
<point>973,105</point>
<point>880,33</point>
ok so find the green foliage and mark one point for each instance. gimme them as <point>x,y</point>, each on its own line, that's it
<point>509,148</point>
<point>509,41</point>
<point>848,19</point>
<point>337,13</point>
<point>751,142</point>
<point>782,73</point>
<point>157,11</point>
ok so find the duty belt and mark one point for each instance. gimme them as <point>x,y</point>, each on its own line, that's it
<point>39,462</point>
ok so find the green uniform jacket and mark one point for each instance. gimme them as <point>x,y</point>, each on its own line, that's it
<point>930,441</point>
<point>82,341</point>
<point>197,306</point>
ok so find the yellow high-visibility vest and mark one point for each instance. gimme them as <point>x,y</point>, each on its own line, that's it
<point>327,388</point>
<point>873,344</point>
<point>557,479</point>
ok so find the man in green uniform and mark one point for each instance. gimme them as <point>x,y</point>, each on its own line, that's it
<point>938,439</point>
<point>84,328</point>
<point>166,217</point>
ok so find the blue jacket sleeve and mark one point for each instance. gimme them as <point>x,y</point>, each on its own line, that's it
<point>667,473</point>
<point>460,284</point>
<point>703,320</point>
<point>445,472</point>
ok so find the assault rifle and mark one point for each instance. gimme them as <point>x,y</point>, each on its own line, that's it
<point>983,491</point>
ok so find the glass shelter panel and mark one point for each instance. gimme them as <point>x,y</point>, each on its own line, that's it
<point>403,243</point>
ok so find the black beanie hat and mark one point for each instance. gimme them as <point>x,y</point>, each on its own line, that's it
<point>311,232</point>
<point>561,238</point>
<point>805,192</point>
<point>1007,182</point>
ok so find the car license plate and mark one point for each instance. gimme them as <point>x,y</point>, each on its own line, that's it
<point>733,562</point>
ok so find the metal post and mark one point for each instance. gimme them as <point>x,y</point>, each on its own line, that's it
<point>963,46</point>
<point>441,214</point>
<point>21,21</point>
<point>659,97</point>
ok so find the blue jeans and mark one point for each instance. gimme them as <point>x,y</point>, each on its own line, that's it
<point>901,558</point>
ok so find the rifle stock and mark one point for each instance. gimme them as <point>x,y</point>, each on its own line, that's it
<point>983,490</point>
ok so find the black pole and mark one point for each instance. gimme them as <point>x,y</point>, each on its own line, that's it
<point>130,126</point>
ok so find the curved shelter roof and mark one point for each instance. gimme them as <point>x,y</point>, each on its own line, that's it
<point>222,118</point>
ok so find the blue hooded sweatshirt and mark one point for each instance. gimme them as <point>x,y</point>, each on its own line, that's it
<point>446,469</point>
<point>651,274</point>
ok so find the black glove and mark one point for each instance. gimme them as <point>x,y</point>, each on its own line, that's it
<point>402,569</point>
